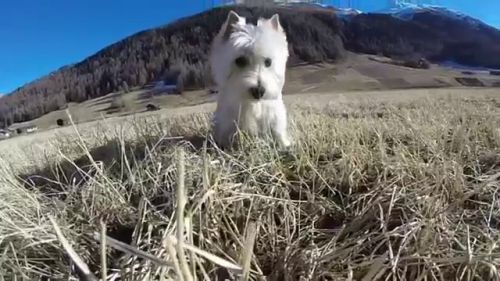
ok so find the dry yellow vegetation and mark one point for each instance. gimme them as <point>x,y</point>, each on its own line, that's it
<point>400,185</point>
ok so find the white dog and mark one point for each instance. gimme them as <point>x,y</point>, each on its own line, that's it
<point>248,64</point>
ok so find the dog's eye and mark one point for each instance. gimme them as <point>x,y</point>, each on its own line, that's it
<point>268,62</point>
<point>241,62</point>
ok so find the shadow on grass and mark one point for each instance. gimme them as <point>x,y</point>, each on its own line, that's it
<point>109,157</point>
<point>59,179</point>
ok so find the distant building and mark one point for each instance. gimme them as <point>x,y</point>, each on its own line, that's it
<point>4,134</point>
<point>165,87</point>
<point>22,128</point>
<point>31,129</point>
<point>162,87</point>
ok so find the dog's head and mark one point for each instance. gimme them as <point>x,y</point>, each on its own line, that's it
<point>250,60</point>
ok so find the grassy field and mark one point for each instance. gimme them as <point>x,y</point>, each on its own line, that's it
<point>399,185</point>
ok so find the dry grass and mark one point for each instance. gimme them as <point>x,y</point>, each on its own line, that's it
<point>371,191</point>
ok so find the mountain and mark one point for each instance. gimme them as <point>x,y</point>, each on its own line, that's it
<point>178,51</point>
<point>435,33</point>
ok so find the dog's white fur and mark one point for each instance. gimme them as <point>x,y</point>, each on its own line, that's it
<point>237,108</point>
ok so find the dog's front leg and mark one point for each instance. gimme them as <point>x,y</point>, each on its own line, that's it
<point>225,128</point>
<point>248,120</point>
<point>280,130</point>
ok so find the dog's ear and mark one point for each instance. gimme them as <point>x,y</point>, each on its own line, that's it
<point>275,22</point>
<point>232,19</point>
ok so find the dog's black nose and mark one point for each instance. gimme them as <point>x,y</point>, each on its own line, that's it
<point>257,92</point>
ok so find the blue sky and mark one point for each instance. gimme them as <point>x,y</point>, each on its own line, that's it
<point>39,36</point>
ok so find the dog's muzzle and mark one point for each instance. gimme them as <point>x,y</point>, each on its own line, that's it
<point>257,92</point>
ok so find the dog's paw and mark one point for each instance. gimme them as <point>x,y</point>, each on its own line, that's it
<point>286,143</point>
<point>285,147</point>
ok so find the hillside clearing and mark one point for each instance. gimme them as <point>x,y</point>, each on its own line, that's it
<point>397,184</point>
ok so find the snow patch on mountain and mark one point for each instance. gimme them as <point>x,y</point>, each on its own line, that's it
<point>340,12</point>
<point>406,11</point>
<point>348,11</point>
